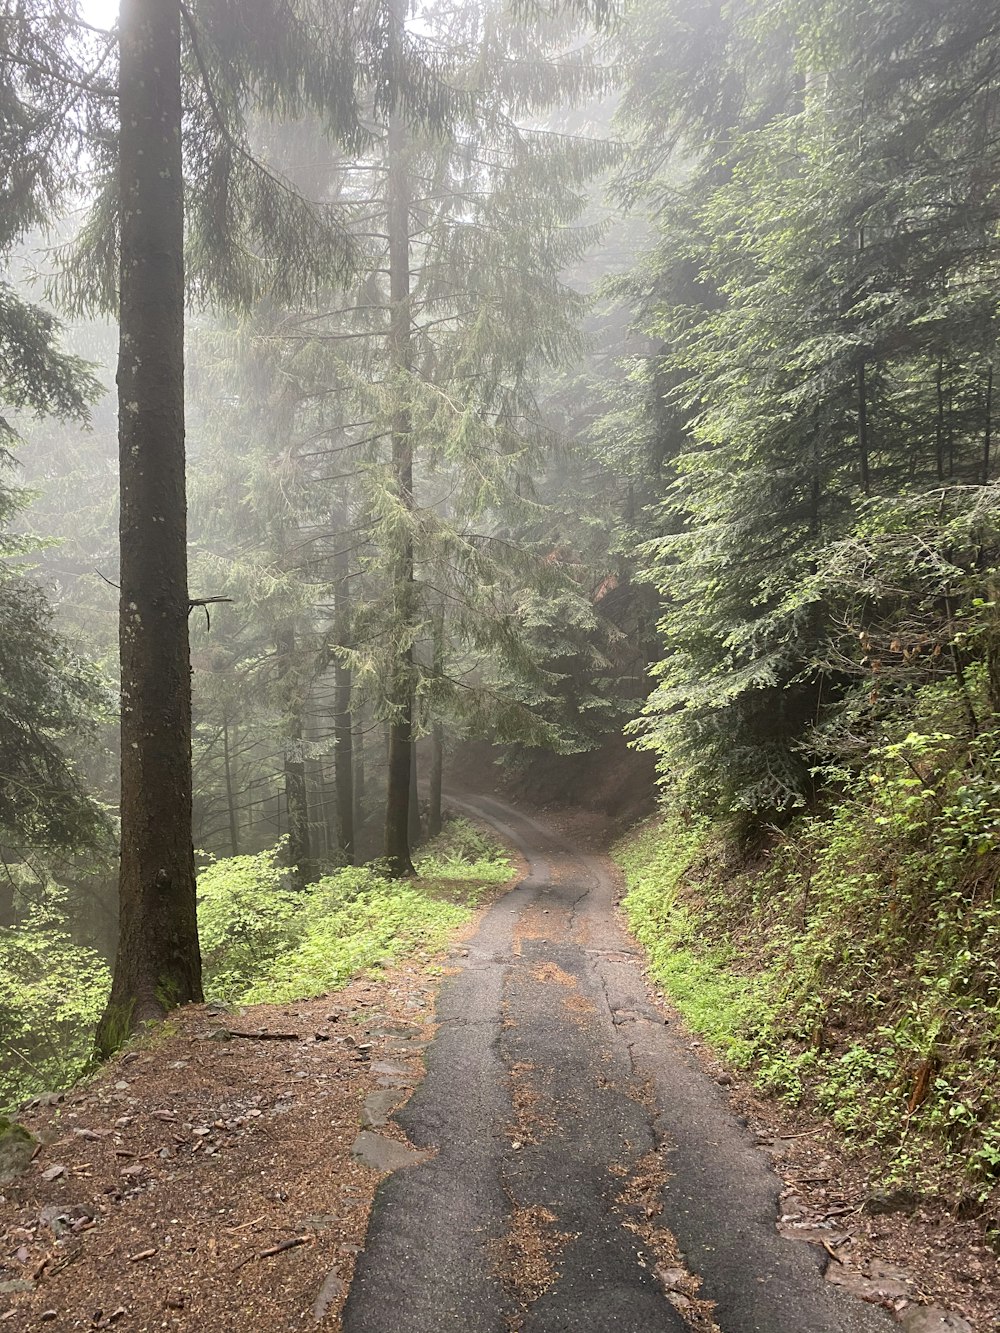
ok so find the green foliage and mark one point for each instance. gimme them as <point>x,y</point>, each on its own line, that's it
<point>265,942</point>
<point>52,991</point>
<point>49,696</point>
<point>857,966</point>
<point>822,292</point>
<point>464,852</point>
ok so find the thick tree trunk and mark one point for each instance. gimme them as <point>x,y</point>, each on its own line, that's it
<point>159,963</point>
<point>343,721</point>
<point>397,804</point>
<point>297,804</point>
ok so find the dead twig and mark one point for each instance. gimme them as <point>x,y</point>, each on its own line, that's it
<point>266,1036</point>
<point>293,1243</point>
<point>245,1226</point>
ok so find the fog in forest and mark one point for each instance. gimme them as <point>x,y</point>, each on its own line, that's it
<point>594,406</point>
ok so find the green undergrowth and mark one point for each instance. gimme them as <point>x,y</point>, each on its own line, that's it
<point>263,942</point>
<point>52,991</point>
<point>853,963</point>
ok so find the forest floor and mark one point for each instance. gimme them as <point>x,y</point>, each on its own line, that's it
<point>570,1145</point>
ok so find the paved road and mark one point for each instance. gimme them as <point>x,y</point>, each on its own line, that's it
<point>578,1148</point>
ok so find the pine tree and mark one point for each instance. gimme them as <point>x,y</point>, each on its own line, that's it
<point>49,693</point>
<point>825,336</point>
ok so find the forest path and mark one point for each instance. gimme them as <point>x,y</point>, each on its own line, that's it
<point>579,1151</point>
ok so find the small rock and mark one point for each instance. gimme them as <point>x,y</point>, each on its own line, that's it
<point>382,1154</point>
<point>724,1080</point>
<point>14,1285</point>
<point>377,1108</point>
<point>393,1071</point>
<point>17,1148</point>
<point>929,1319</point>
<point>903,1199</point>
<point>333,1287</point>
<point>54,1172</point>
<point>672,1278</point>
<point>876,1283</point>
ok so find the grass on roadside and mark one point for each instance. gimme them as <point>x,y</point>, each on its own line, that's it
<point>263,942</point>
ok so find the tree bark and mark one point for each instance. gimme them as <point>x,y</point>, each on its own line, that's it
<point>360,780</point>
<point>296,790</point>
<point>234,825</point>
<point>414,828</point>
<point>939,422</point>
<point>437,735</point>
<point>159,962</point>
<point>397,804</point>
<point>863,428</point>
<point>343,720</point>
<point>988,427</point>
<point>436,780</point>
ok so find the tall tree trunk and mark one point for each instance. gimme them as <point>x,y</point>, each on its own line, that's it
<point>343,720</point>
<point>939,422</point>
<point>360,780</point>
<point>863,428</point>
<point>234,823</point>
<point>296,789</point>
<point>437,734</point>
<point>815,490</point>
<point>436,780</point>
<point>159,962</point>
<point>951,433</point>
<point>988,427</point>
<point>397,804</point>
<point>414,830</point>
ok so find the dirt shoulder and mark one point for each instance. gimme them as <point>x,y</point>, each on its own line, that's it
<point>204,1180</point>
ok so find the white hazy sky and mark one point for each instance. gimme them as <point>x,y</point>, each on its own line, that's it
<point>102,13</point>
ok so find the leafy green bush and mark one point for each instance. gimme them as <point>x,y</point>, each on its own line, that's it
<point>264,942</point>
<point>464,852</point>
<point>856,966</point>
<point>247,919</point>
<point>52,991</point>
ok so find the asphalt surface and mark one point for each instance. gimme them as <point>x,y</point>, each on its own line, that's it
<point>563,1114</point>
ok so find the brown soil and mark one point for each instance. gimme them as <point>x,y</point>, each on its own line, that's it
<point>203,1182</point>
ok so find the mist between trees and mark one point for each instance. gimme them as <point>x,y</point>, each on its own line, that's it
<point>549,371</point>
